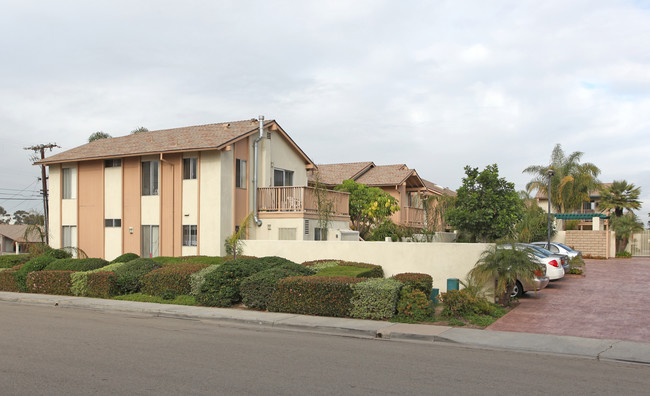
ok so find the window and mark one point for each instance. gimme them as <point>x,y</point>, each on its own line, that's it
<point>113,222</point>
<point>150,178</point>
<point>189,168</point>
<point>69,239</point>
<point>282,177</point>
<point>67,183</point>
<point>112,163</point>
<point>320,234</point>
<point>189,235</point>
<point>149,242</point>
<point>240,173</point>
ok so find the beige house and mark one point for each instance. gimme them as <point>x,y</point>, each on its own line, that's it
<point>589,212</point>
<point>183,191</point>
<point>13,241</point>
<point>398,180</point>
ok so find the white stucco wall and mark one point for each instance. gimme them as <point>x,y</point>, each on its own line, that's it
<point>226,216</point>
<point>150,210</point>
<point>113,242</point>
<point>112,210</point>
<point>209,227</point>
<point>440,260</point>
<point>54,205</point>
<point>283,156</point>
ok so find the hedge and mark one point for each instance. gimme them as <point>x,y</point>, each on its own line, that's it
<point>375,298</point>
<point>198,278</point>
<point>49,282</point>
<point>12,260</point>
<point>102,284</point>
<point>71,264</point>
<point>422,282</point>
<point>129,276</point>
<point>58,253</point>
<point>35,264</point>
<point>207,260</point>
<point>374,271</point>
<point>8,280</point>
<point>221,287</point>
<point>257,290</point>
<point>175,278</point>
<point>310,295</point>
<point>273,261</point>
<point>80,279</point>
<point>125,258</point>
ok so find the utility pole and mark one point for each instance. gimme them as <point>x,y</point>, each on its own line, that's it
<point>41,148</point>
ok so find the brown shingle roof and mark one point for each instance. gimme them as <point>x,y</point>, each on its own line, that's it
<point>438,189</point>
<point>386,175</point>
<point>17,232</point>
<point>334,174</point>
<point>201,137</point>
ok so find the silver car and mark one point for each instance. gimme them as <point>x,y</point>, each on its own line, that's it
<point>559,248</point>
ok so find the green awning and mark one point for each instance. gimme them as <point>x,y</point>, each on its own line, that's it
<point>579,216</point>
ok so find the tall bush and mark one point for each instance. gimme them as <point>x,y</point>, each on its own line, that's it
<point>221,287</point>
<point>418,281</point>
<point>375,298</point>
<point>175,278</point>
<point>257,290</point>
<point>129,276</point>
<point>49,282</point>
<point>324,296</point>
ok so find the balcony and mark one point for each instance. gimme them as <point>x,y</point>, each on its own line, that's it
<point>413,217</point>
<point>276,201</point>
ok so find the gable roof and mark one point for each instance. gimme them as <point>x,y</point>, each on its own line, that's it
<point>334,174</point>
<point>16,232</point>
<point>388,175</point>
<point>438,189</point>
<point>192,138</point>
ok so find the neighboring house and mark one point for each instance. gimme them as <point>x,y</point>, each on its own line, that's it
<point>12,238</point>
<point>587,212</point>
<point>398,180</point>
<point>183,191</point>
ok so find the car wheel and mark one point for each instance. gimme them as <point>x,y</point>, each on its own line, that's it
<point>518,291</point>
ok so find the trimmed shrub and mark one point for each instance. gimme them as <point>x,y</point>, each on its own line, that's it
<point>58,253</point>
<point>35,264</point>
<point>414,305</point>
<point>421,282</point>
<point>70,264</point>
<point>80,279</point>
<point>49,282</point>
<point>318,265</point>
<point>175,278</point>
<point>125,258</point>
<point>101,284</point>
<point>273,261</point>
<point>374,271</point>
<point>129,276</point>
<point>198,278</point>
<point>207,260</point>
<point>312,295</point>
<point>12,260</point>
<point>375,298</point>
<point>257,290</point>
<point>221,286</point>
<point>8,280</point>
<point>459,303</point>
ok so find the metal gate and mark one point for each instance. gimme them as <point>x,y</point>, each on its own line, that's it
<point>640,244</point>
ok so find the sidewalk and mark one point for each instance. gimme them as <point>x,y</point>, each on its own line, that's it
<point>625,351</point>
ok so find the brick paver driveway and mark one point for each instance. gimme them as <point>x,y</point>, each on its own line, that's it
<point>612,301</point>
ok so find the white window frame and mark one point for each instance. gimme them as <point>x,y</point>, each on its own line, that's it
<point>68,190</point>
<point>280,177</point>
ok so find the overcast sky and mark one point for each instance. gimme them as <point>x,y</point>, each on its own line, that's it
<point>436,85</point>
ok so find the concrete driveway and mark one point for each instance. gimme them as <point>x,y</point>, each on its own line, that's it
<point>612,301</point>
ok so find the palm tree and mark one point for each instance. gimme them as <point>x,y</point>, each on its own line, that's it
<point>504,265</point>
<point>624,226</point>
<point>620,196</point>
<point>572,182</point>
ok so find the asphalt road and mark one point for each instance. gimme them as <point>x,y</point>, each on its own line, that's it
<point>50,350</point>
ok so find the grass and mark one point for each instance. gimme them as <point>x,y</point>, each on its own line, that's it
<point>179,300</point>
<point>341,271</point>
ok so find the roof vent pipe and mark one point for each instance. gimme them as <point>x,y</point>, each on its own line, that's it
<point>257,220</point>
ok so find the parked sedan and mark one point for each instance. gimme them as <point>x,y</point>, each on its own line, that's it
<point>559,248</point>
<point>564,259</point>
<point>539,282</point>
<point>554,269</point>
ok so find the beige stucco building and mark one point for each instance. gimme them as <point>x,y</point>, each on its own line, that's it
<point>183,191</point>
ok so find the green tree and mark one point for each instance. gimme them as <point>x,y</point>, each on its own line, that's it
<point>324,206</point>
<point>98,135</point>
<point>139,129</point>
<point>487,207</point>
<point>234,243</point>
<point>620,196</point>
<point>572,182</point>
<point>503,265</point>
<point>624,226</point>
<point>369,206</point>
<point>3,215</point>
<point>435,207</point>
<point>533,225</point>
